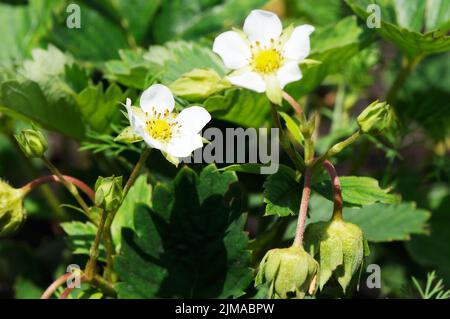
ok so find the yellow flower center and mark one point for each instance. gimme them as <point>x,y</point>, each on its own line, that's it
<point>267,61</point>
<point>160,129</point>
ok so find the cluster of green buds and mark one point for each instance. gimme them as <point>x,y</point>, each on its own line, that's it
<point>108,193</point>
<point>12,212</point>
<point>376,118</point>
<point>32,142</point>
<point>339,246</point>
<point>291,273</point>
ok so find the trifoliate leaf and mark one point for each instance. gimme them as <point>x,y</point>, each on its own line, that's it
<point>191,244</point>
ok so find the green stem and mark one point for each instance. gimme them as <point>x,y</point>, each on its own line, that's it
<point>110,249</point>
<point>109,245</point>
<point>284,141</point>
<point>71,188</point>
<point>135,172</point>
<point>337,148</point>
<point>94,251</point>
<point>408,66</point>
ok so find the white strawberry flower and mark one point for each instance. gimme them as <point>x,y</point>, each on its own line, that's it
<point>176,135</point>
<point>265,58</point>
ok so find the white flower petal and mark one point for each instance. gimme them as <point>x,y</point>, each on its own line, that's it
<point>184,145</point>
<point>290,72</point>
<point>249,80</point>
<point>157,98</point>
<point>298,46</point>
<point>136,118</point>
<point>150,141</point>
<point>233,49</point>
<point>193,119</point>
<point>261,25</point>
<point>273,89</point>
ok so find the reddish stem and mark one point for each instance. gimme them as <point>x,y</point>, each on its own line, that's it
<point>53,178</point>
<point>292,102</point>
<point>298,241</point>
<point>336,185</point>
<point>68,290</point>
<point>57,283</point>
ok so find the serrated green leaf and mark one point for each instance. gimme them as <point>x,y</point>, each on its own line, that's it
<point>384,223</point>
<point>282,193</point>
<point>405,21</point>
<point>51,109</point>
<point>190,246</point>
<point>80,237</point>
<point>133,69</point>
<point>358,191</point>
<point>239,106</point>
<point>379,222</point>
<point>100,108</point>
<point>98,39</point>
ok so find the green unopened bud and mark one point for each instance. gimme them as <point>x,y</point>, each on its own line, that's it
<point>308,127</point>
<point>12,213</point>
<point>128,136</point>
<point>32,143</point>
<point>340,248</point>
<point>377,117</point>
<point>290,272</point>
<point>108,193</point>
<point>198,84</point>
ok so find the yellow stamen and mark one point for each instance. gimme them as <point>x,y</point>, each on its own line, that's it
<point>160,129</point>
<point>267,61</point>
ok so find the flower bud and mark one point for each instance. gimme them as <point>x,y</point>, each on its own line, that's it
<point>12,213</point>
<point>108,193</point>
<point>32,143</point>
<point>377,117</point>
<point>290,272</point>
<point>340,247</point>
<point>198,84</point>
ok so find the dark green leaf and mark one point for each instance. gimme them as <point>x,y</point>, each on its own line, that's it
<point>282,193</point>
<point>191,244</point>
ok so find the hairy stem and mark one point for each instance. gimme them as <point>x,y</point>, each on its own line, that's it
<point>135,172</point>
<point>300,230</point>
<point>94,251</point>
<point>338,147</point>
<point>54,178</point>
<point>292,102</point>
<point>337,192</point>
<point>55,285</point>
